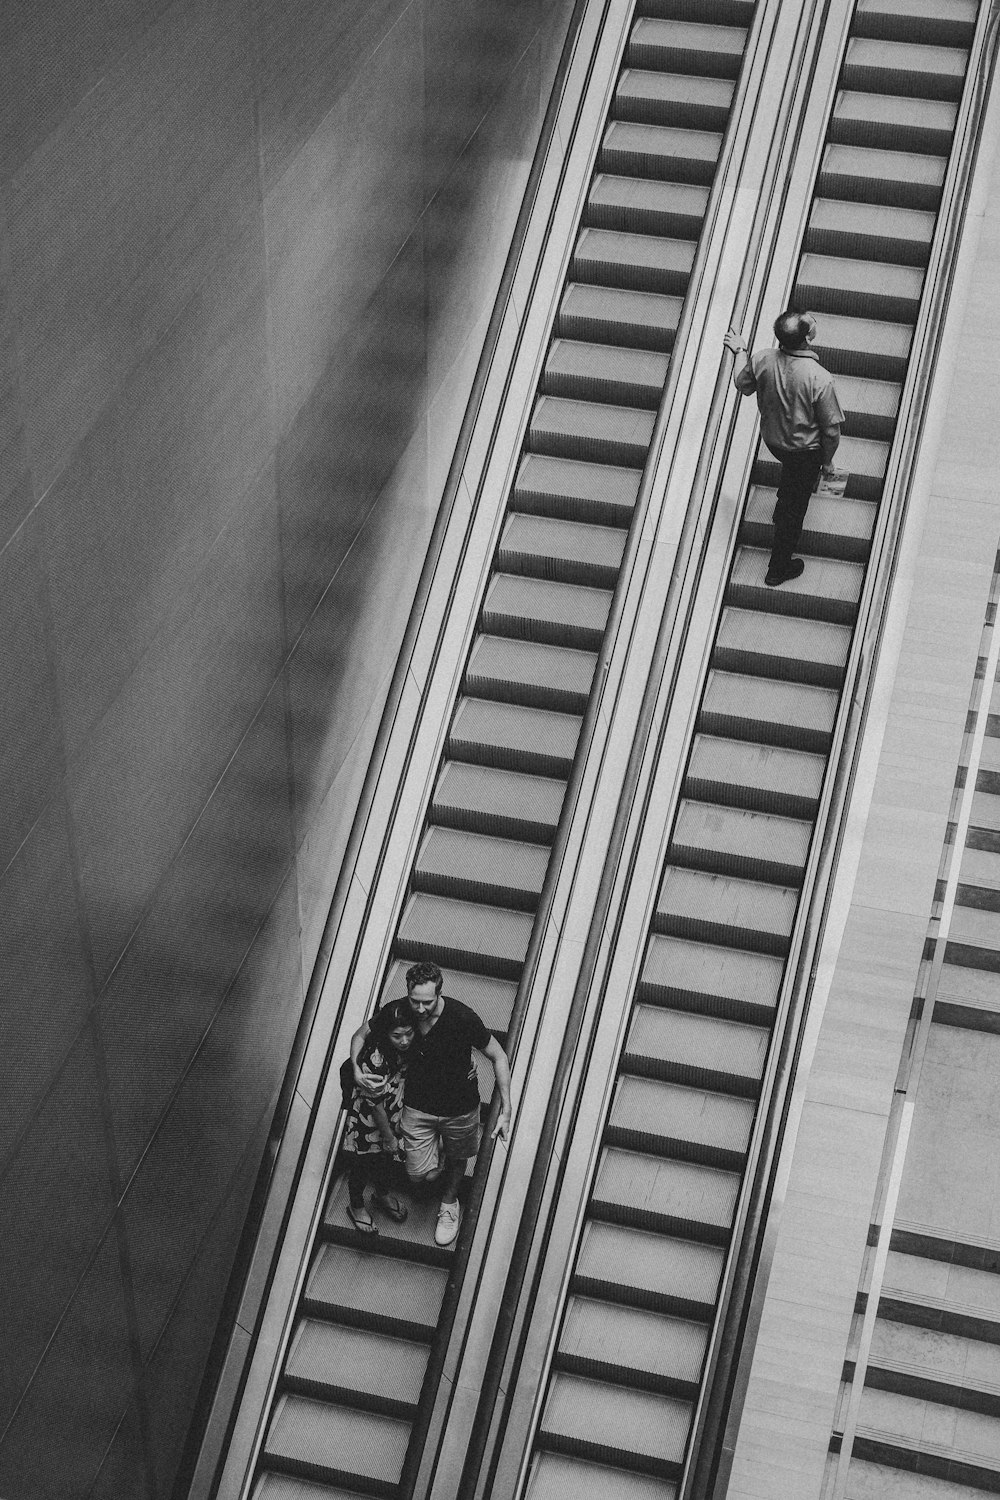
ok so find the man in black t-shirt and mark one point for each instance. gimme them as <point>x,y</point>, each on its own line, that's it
<point>440,1121</point>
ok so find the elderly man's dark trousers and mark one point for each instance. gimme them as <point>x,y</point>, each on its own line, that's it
<point>799,471</point>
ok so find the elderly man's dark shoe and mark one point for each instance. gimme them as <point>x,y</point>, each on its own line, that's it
<point>793,569</point>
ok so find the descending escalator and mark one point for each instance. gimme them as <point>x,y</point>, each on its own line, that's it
<point>354,1385</point>
<point>625,1375</point>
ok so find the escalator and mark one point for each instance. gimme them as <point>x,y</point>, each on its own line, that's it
<point>350,1405</point>
<point>629,1354</point>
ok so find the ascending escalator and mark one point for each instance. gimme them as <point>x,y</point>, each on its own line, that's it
<point>354,1389</point>
<point>631,1349</point>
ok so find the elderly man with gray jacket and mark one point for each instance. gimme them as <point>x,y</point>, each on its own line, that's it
<point>800,420</point>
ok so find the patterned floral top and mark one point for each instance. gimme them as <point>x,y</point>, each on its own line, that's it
<point>362,1134</point>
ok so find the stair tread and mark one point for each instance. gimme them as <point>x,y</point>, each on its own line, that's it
<point>570,541</point>
<point>608,363</point>
<point>881,278</point>
<point>647,1262</point>
<point>506,793</point>
<point>749,905</point>
<point>863,335</point>
<point>695,36</point>
<point>357,1359</point>
<point>633,1339</point>
<point>519,728</point>
<point>615,1417</point>
<point>766,699</point>
<point>483,858</point>
<point>733,830</point>
<point>619,247</point>
<point>782,636</point>
<point>890,109</point>
<point>675,1189</point>
<point>495,931</point>
<point>532,664</point>
<point>827,516</point>
<point>340,1439</point>
<point>662,140</point>
<point>575,479</point>
<point>825,578</point>
<point>768,768</point>
<point>914,226</point>
<point>272,1485</point>
<point>692,1040</point>
<point>571,604</point>
<point>673,89</point>
<point>560,1476</point>
<point>593,419</point>
<point>906,57</point>
<point>696,968</point>
<point>343,1278</point>
<point>620,307</point>
<point>875,162</point>
<point>676,1112</point>
<point>612,191</point>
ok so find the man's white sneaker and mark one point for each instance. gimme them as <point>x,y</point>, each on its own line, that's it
<point>449,1215</point>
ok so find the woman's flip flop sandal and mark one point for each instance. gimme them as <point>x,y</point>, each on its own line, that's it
<point>392,1208</point>
<point>363,1226</point>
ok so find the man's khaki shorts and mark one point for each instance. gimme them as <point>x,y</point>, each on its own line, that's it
<point>428,1137</point>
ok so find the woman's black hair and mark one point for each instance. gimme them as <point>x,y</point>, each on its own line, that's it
<point>393,1014</point>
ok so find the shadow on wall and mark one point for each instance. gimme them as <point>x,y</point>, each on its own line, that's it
<point>247,255</point>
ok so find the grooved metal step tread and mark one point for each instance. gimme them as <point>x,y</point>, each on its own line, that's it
<point>892,123</point>
<point>275,1486</point>
<point>632,1422</point>
<point>504,733</point>
<point>643,205</point>
<point>828,589</point>
<point>591,430</point>
<point>605,373</point>
<point>644,262</point>
<point>793,715</point>
<point>355,1359</point>
<point>629,1338</point>
<point>558,1476</point>
<point>750,913</point>
<point>650,1107</point>
<point>895,178</point>
<point>619,316</point>
<point>490,938</point>
<point>537,609</point>
<point>407,1247</point>
<point>673,99</point>
<point>575,490</point>
<point>744,842</point>
<point>863,458</point>
<point>337,1441</point>
<point>794,649</point>
<point>764,777</point>
<point>940,22</point>
<point>572,551</point>
<point>670,1190</point>
<point>672,153</point>
<point>686,47</point>
<point>833,527</point>
<point>677,970</point>
<point>507,796</point>
<point>526,672</point>
<point>870,231</point>
<point>476,867</point>
<point>353,1280</point>
<point>867,347</point>
<point>907,68</point>
<point>709,1043</point>
<point>834,283</point>
<point>651,1269</point>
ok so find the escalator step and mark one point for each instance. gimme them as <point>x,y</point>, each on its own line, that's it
<point>870,231</point>
<point>686,47</point>
<point>647,1270</point>
<point>833,527</point>
<point>709,1124</point>
<point>364,1368</point>
<point>577,491</point>
<point>351,1284</point>
<point>942,23</point>
<point>554,1476</point>
<point>792,715</point>
<point>272,1486</point>
<point>525,672</point>
<point>735,984</point>
<point>638,205</point>
<point>641,262</point>
<point>555,614</point>
<point>348,1447</point>
<point>613,315</point>
<point>666,152</point>
<point>563,551</point>
<point>863,458</point>
<point>716,12</point>
<point>509,804</point>
<point>760,777</point>
<point>673,99</point>
<point>870,406</point>
<point>745,914</point>
<point>462,935</point>
<point>889,123</point>
<point>698,1201</point>
<point>514,738</point>
<point>859,288</point>
<point>605,373</point>
<point>895,179</point>
<point>628,1339</point>
<point>473,867</point>
<point>591,431</point>
<point>683,1040</point>
<point>828,589</point>
<point>790,649</point>
<point>869,349</point>
<point>748,845</point>
<point>905,68</point>
<point>407,1247</point>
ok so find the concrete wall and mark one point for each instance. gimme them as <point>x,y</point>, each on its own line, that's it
<point>248,250</point>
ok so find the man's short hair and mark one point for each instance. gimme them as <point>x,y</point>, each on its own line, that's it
<point>792,329</point>
<point>424,974</point>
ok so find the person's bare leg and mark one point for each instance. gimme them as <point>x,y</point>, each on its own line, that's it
<point>451,1175</point>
